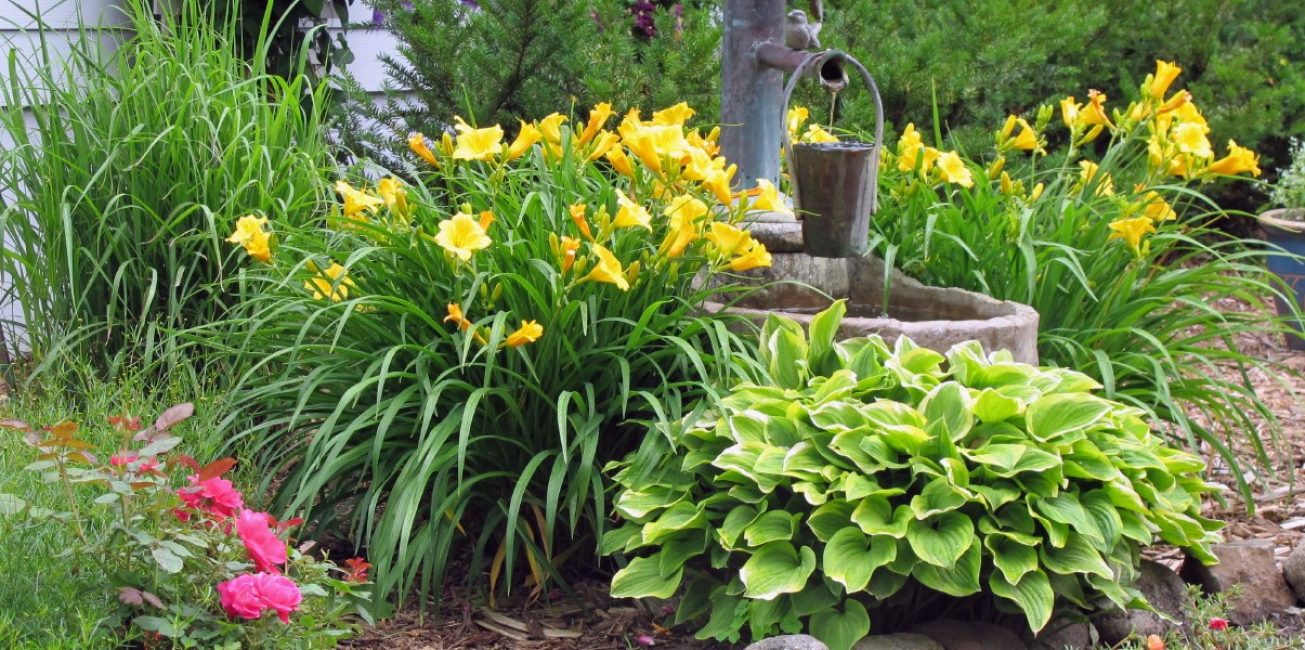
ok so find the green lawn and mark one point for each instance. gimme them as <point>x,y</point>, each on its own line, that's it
<point>52,595</point>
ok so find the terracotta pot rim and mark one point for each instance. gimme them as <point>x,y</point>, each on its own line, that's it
<point>1273,219</point>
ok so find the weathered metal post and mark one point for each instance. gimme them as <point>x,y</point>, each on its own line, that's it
<point>751,93</point>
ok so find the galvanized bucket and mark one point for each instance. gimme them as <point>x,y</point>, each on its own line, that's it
<point>835,185</point>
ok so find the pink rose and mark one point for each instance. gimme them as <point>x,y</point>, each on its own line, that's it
<point>279,594</point>
<point>215,496</point>
<point>248,595</point>
<point>265,549</point>
<point>240,597</point>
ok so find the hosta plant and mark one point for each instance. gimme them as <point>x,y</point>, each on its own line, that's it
<point>869,480</point>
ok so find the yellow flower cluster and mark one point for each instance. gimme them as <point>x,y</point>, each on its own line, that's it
<point>915,156</point>
<point>797,116</point>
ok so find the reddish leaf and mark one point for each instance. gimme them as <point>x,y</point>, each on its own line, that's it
<point>33,438</point>
<point>130,596</point>
<point>185,461</point>
<point>64,429</point>
<point>174,415</point>
<point>216,468</point>
<point>152,599</point>
<point>16,425</point>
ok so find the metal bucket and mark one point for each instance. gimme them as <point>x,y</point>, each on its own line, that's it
<point>835,185</point>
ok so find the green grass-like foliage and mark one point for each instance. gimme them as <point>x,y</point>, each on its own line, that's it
<point>1159,320</point>
<point>133,153</point>
<point>866,477</point>
<point>444,435</point>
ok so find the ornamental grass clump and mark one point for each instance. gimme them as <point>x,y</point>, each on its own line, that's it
<point>1098,220</point>
<point>132,155</point>
<point>447,363</point>
<point>868,482</point>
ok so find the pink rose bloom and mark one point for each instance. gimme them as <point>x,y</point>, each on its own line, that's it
<point>265,549</point>
<point>279,594</point>
<point>215,496</point>
<point>240,597</point>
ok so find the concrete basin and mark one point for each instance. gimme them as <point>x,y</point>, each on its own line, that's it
<point>798,286</point>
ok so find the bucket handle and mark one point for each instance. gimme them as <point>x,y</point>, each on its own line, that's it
<point>806,66</point>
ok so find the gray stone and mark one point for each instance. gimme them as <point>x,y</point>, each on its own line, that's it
<point>778,236</point>
<point>1294,571</point>
<point>1251,564</point>
<point>1161,587</point>
<point>967,635</point>
<point>900,641</point>
<point>933,317</point>
<point>1062,633</point>
<point>789,642</point>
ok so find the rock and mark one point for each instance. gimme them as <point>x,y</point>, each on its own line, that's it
<point>1249,563</point>
<point>778,237</point>
<point>1062,633</point>
<point>1164,589</point>
<point>966,635</point>
<point>1294,571</point>
<point>897,642</point>
<point>789,642</point>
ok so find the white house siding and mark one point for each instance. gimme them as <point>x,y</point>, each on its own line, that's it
<point>64,19</point>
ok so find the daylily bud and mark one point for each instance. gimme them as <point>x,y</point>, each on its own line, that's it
<point>996,166</point>
<point>632,272</point>
<point>1037,192</point>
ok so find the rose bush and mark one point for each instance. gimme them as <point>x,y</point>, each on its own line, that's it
<point>192,565</point>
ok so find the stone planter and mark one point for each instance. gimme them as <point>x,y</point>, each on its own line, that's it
<point>1285,229</point>
<point>799,286</point>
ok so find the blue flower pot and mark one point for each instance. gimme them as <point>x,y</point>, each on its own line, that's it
<point>1288,235</point>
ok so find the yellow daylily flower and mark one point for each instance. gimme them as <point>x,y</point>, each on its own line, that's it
<point>569,246</point>
<point>250,234</point>
<point>796,117</point>
<point>608,269</point>
<point>630,214</point>
<point>620,162</point>
<point>1132,231</point>
<point>551,127</point>
<point>754,257</point>
<point>1069,110</point>
<point>417,143</point>
<point>456,316</point>
<point>675,115</point>
<point>477,144</point>
<point>529,332</point>
<point>605,142</point>
<point>395,195</point>
<point>719,184</point>
<point>817,135</point>
<point>526,138</point>
<point>355,200</point>
<point>908,148</point>
<point>1165,73</point>
<point>578,217</point>
<point>333,281</point>
<point>1026,139</point>
<point>953,170</point>
<point>683,229</point>
<point>654,143</point>
<point>462,236</point>
<point>1155,207</point>
<point>1094,112</point>
<point>1088,170</point>
<point>1176,102</point>
<point>486,219</point>
<point>1239,160</point>
<point>598,116</point>
<point>728,240</point>
<point>1190,138</point>
<point>768,198</point>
